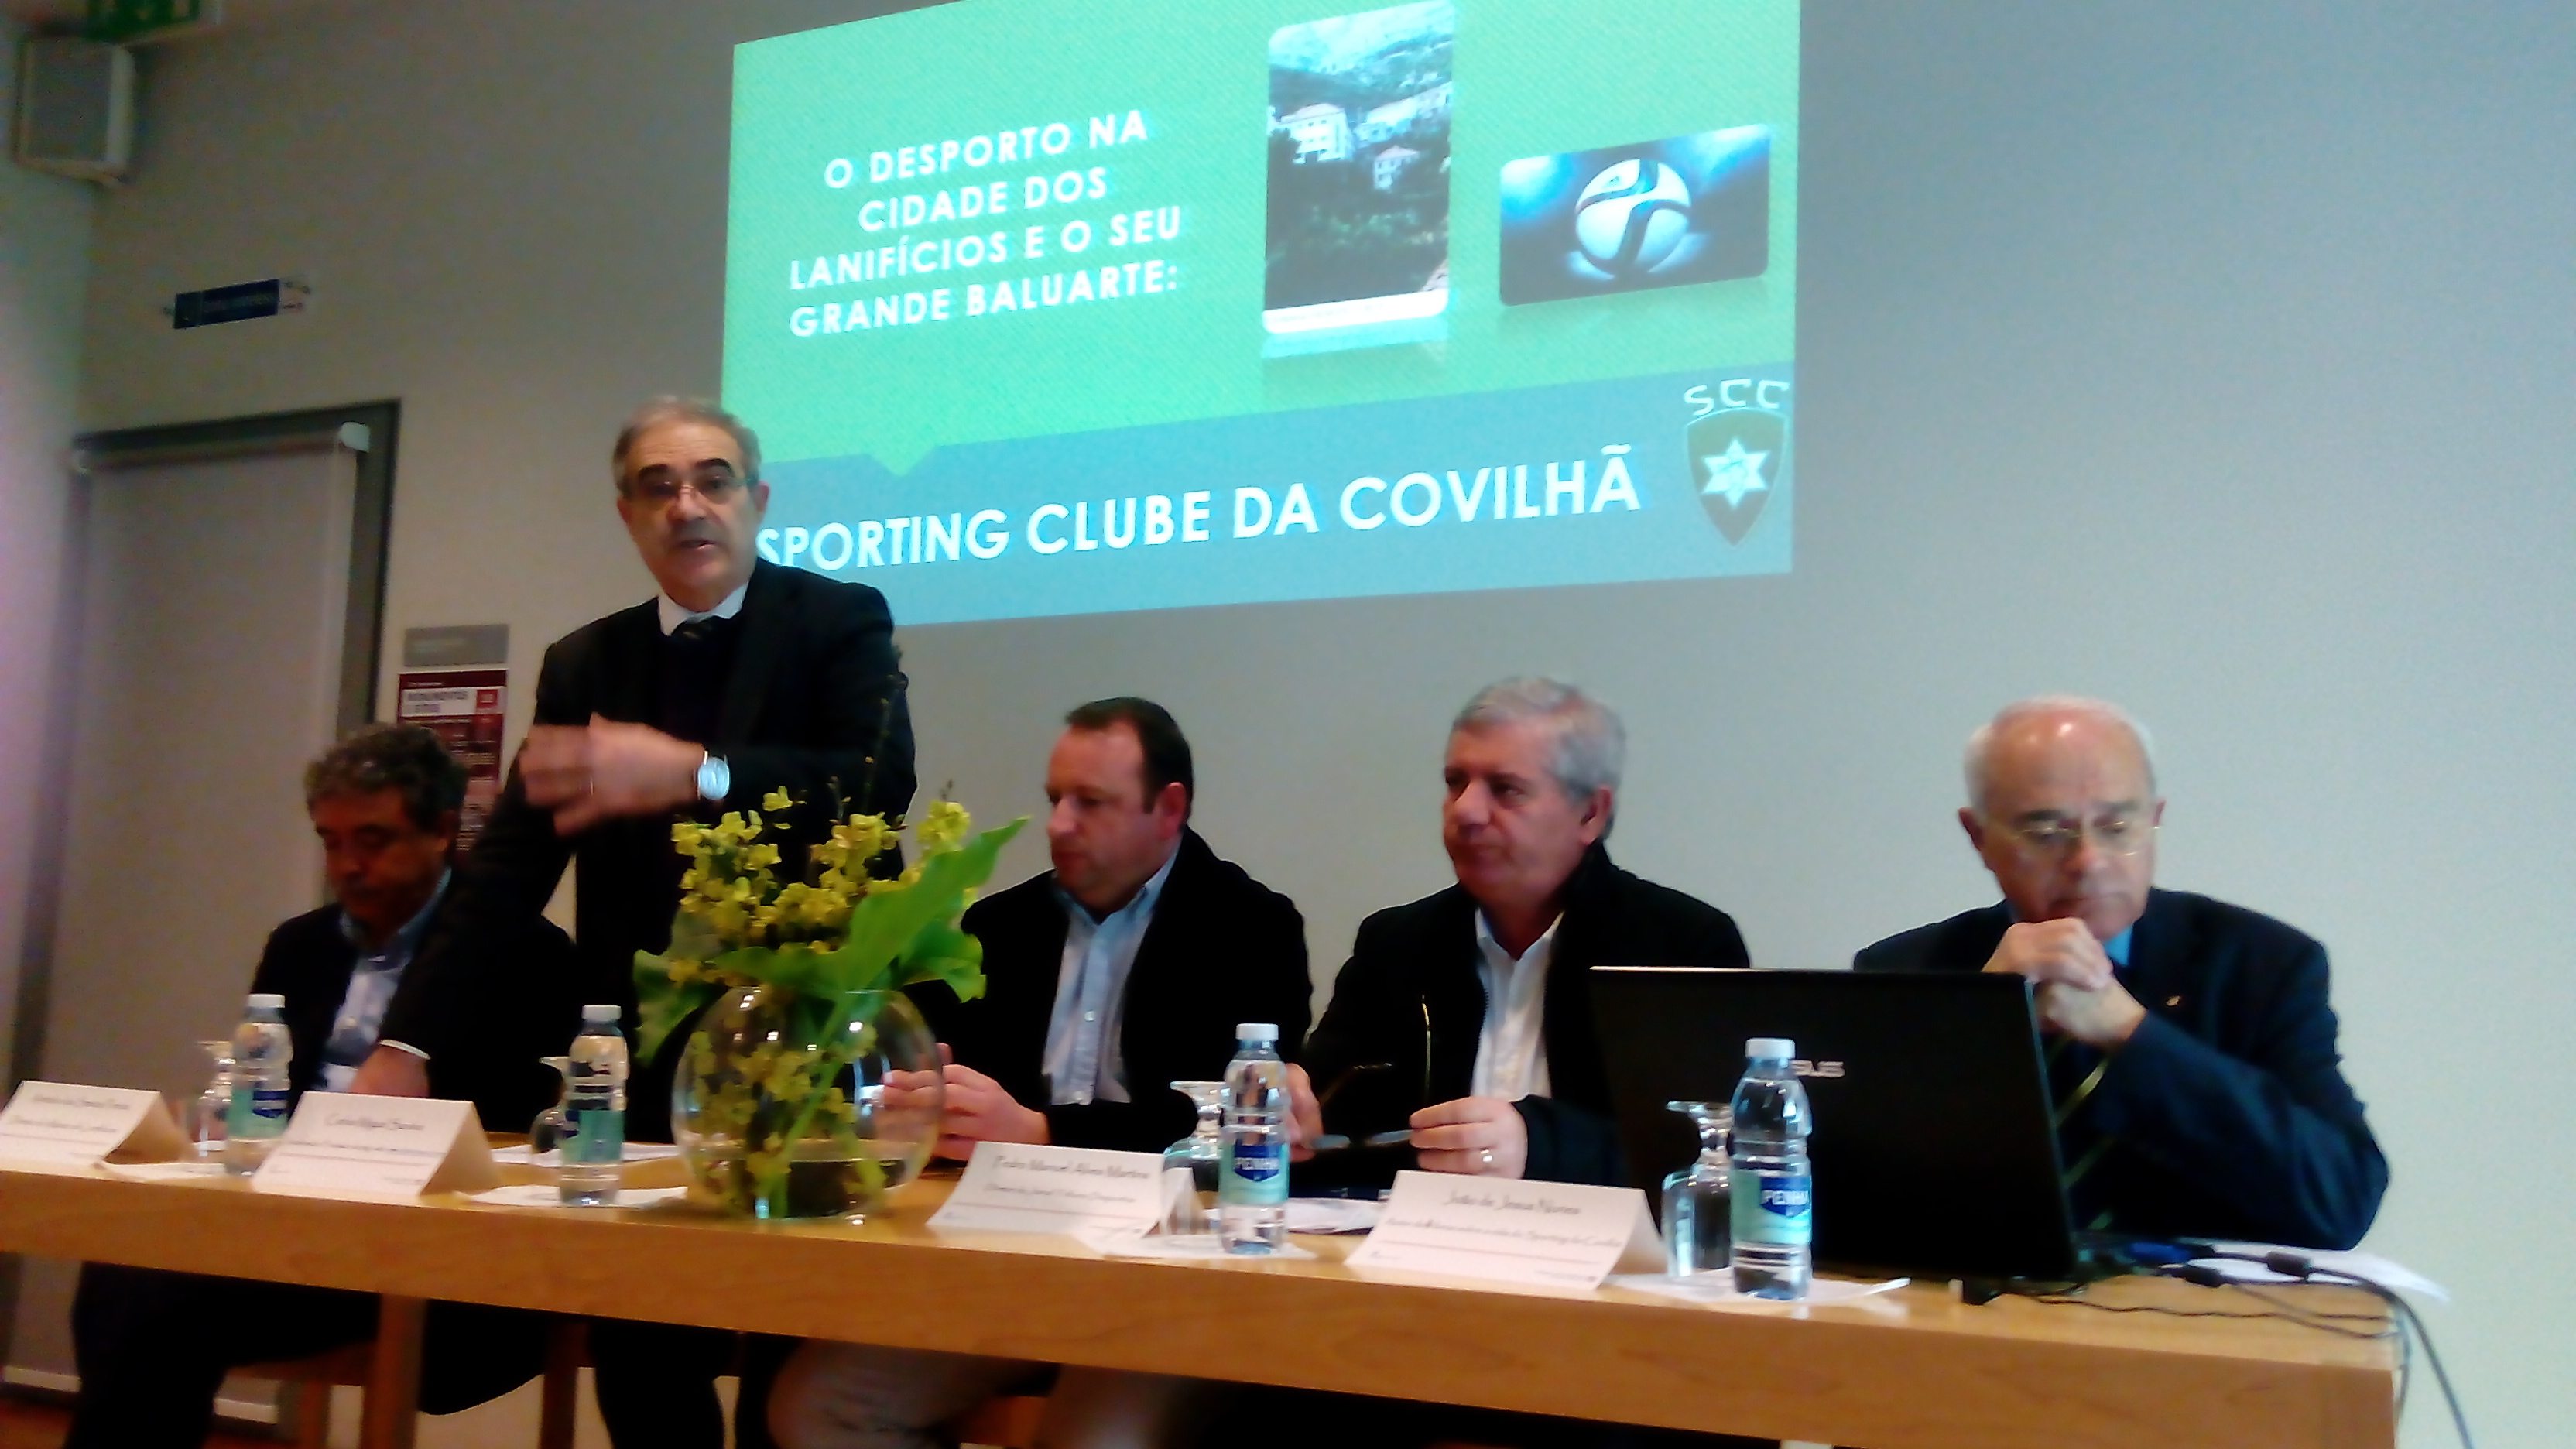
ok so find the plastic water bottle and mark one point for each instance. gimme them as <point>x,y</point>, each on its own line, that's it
<point>262,1052</point>
<point>1252,1188</point>
<point>1774,1198</point>
<point>595,1111</point>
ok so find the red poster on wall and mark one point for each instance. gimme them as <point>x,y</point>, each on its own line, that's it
<point>465,707</point>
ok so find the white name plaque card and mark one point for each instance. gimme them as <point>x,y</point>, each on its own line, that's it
<point>338,1144</point>
<point>1080,1191</point>
<point>1552,1234</point>
<point>68,1126</point>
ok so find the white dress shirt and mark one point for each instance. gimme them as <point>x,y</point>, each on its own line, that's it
<point>1511,1049</point>
<point>373,978</point>
<point>1085,1047</point>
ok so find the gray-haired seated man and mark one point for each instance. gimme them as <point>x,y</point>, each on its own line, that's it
<point>1474,997</point>
<point>152,1347</point>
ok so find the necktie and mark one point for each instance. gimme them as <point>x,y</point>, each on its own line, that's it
<point>2068,1059</point>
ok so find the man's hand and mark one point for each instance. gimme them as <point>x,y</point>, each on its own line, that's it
<point>1305,1117</point>
<point>606,770</point>
<point>391,1072</point>
<point>2078,995</point>
<point>979,1110</point>
<point>1479,1136</point>
<point>909,1091</point>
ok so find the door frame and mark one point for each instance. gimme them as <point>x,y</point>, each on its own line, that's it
<point>368,429</point>
<point>371,430</point>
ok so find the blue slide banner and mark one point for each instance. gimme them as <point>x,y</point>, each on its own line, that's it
<point>1682,475</point>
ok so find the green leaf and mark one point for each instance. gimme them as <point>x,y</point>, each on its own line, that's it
<point>885,926</point>
<point>801,969</point>
<point>942,952</point>
<point>662,1004</point>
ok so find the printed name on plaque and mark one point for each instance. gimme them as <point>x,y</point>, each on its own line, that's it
<point>1555,1234</point>
<point>340,1144</point>
<point>72,1126</point>
<point>1012,1188</point>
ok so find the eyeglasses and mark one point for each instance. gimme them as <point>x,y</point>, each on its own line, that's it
<point>716,485</point>
<point>2057,836</point>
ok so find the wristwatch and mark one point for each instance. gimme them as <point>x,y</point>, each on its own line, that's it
<point>715,778</point>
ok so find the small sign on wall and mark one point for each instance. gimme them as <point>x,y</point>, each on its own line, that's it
<point>241,302</point>
<point>463,698</point>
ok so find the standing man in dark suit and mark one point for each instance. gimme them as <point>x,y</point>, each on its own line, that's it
<point>739,679</point>
<point>1125,968</point>
<point>1475,998</point>
<point>153,1347</point>
<point>2191,1046</point>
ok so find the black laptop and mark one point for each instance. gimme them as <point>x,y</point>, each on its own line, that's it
<point>1933,1146</point>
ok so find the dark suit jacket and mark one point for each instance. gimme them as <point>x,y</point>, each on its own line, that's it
<point>308,961</point>
<point>1221,949</point>
<point>2230,1114</point>
<point>814,698</point>
<point>1411,990</point>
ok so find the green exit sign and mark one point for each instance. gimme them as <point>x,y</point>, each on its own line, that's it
<point>127,19</point>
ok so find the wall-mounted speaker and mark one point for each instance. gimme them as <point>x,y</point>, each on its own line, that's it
<point>76,108</point>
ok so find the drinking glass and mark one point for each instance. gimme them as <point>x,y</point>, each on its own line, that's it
<point>1204,1149</point>
<point>206,1115</point>
<point>554,1124</point>
<point>1696,1198</point>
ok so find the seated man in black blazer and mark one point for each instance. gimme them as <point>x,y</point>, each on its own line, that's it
<point>153,1347</point>
<point>1125,968</point>
<point>2191,1046</point>
<point>1465,1015</point>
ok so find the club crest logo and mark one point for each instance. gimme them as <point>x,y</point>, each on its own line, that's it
<point>1735,457</point>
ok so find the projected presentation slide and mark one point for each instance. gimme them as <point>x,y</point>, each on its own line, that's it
<point>1076,306</point>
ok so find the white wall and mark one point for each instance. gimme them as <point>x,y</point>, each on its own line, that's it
<point>2214,357</point>
<point>44,273</point>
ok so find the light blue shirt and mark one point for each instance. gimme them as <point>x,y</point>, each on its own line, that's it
<point>371,990</point>
<point>1083,1046</point>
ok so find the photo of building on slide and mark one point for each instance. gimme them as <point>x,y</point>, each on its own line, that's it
<point>1359,178</point>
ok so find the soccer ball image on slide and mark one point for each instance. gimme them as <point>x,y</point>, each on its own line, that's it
<point>1631,216</point>
<point>1650,214</point>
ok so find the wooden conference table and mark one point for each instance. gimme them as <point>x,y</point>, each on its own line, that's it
<point>1914,1369</point>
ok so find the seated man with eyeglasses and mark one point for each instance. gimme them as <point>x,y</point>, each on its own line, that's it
<point>2190,1046</point>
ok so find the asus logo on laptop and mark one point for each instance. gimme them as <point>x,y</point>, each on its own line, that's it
<point>1822,1071</point>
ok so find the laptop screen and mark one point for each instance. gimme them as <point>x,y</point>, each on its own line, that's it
<point>1933,1144</point>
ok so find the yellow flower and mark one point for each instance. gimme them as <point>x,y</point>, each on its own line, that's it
<point>776,800</point>
<point>945,826</point>
<point>857,840</point>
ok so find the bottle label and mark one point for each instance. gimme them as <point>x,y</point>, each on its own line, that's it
<point>598,1137</point>
<point>1775,1208</point>
<point>1256,1172</point>
<point>255,1111</point>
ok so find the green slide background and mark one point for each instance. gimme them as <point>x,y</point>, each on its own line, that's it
<point>1532,77</point>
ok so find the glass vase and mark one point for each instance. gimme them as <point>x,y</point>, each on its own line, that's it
<point>1696,1198</point>
<point>795,1106</point>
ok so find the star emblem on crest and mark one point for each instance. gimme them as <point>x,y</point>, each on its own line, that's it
<point>1735,472</point>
